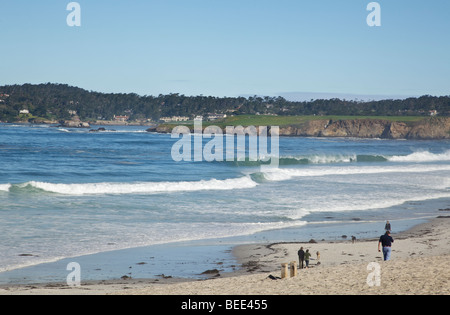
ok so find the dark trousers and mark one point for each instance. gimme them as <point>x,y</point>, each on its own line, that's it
<point>301,261</point>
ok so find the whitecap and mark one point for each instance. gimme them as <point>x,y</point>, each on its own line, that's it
<point>422,156</point>
<point>5,187</point>
<point>144,187</point>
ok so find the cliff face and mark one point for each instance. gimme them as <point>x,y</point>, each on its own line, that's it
<point>436,128</point>
<point>430,128</point>
<point>433,128</point>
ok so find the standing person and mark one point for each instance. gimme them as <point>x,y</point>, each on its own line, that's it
<point>386,241</point>
<point>301,257</point>
<point>307,256</point>
<point>387,227</point>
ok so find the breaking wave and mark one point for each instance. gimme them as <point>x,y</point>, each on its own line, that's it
<point>423,156</point>
<point>281,174</point>
<point>134,188</point>
<point>5,187</point>
<point>253,179</point>
<point>416,157</point>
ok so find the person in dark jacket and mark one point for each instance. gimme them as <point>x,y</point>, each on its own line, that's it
<point>301,257</point>
<point>386,241</point>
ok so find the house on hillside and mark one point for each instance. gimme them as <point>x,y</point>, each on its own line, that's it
<point>174,118</point>
<point>121,118</point>
<point>216,116</point>
<point>3,97</point>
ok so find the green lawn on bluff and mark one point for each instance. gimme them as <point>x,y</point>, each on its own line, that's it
<point>281,121</point>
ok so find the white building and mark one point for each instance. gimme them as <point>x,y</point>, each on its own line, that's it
<point>121,118</point>
<point>216,116</point>
<point>174,118</point>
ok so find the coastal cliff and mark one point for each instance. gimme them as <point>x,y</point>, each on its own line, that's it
<point>431,128</point>
<point>434,128</point>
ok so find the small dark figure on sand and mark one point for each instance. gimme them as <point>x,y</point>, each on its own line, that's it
<point>387,227</point>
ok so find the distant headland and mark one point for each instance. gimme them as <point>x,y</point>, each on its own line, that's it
<point>425,117</point>
<point>412,128</point>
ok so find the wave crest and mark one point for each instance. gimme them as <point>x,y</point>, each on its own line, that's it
<point>416,157</point>
<point>141,188</point>
<point>5,187</point>
<point>423,156</point>
<point>279,174</point>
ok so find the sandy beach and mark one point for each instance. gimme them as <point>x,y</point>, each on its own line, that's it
<point>419,265</point>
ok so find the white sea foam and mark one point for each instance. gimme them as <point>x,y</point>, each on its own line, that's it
<point>281,174</point>
<point>143,187</point>
<point>362,204</point>
<point>5,187</point>
<point>416,157</point>
<point>324,159</point>
<point>423,156</point>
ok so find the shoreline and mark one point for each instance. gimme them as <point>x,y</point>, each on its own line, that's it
<point>361,128</point>
<point>425,246</point>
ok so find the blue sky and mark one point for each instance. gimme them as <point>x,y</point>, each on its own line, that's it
<point>229,47</point>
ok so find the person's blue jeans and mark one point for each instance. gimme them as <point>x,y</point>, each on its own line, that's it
<point>387,253</point>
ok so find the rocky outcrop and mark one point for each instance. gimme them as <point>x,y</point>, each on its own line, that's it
<point>101,129</point>
<point>313,128</point>
<point>364,128</point>
<point>428,128</point>
<point>433,128</point>
<point>74,124</point>
<point>396,130</point>
<point>161,129</point>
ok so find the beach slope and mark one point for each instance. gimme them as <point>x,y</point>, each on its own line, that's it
<point>420,265</point>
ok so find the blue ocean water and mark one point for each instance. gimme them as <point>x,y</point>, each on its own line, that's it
<point>70,192</point>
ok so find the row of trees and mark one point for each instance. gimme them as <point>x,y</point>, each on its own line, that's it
<point>55,101</point>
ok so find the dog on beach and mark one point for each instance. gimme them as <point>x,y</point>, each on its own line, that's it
<point>353,239</point>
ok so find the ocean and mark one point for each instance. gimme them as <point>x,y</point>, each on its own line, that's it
<point>68,194</point>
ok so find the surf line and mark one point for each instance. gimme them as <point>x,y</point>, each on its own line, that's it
<point>191,147</point>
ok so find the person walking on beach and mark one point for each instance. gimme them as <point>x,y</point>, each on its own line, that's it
<point>387,227</point>
<point>307,257</point>
<point>386,241</point>
<point>301,257</point>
